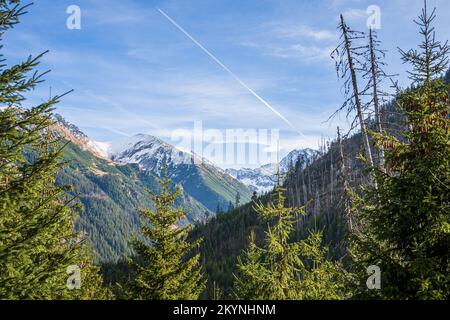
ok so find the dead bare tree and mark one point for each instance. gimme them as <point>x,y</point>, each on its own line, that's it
<point>347,57</point>
<point>345,195</point>
<point>374,73</point>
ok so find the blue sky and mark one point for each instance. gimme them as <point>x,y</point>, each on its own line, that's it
<point>134,72</point>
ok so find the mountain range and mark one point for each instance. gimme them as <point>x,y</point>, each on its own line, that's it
<point>111,181</point>
<point>262,179</point>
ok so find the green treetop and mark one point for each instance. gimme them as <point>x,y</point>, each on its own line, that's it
<point>285,270</point>
<point>406,222</point>
<point>37,238</point>
<point>164,266</point>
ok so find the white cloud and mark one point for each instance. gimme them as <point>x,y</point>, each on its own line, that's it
<point>302,31</point>
<point>300,42</point>
<point>301,53</point>
<point>355,14</point>
<point>115,12</point>
<point>340,3</point>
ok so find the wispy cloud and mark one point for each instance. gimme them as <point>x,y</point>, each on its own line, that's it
<point>295,31</point>
<point>307,54</point>
<point>115,12</point>
<point>355,14</point>
<point>301,43</point>
<point>298,52</point>
<point>341,3</point>
<point>224,67</point>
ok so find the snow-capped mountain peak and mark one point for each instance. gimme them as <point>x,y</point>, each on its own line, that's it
<point>153,154</point>
<point>201,180</point>
<point>262,179</point>
<point>148,151</point>
<point>116,147</point>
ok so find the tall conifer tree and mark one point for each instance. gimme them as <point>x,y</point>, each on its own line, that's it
<point>165,267</point>
<point>286,270</point>
<point>37,238</point>
<point>406,222</point>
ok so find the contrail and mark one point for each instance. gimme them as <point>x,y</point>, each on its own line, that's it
<point>242,83</point>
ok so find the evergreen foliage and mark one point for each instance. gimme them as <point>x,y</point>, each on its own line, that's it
<point>162,267</point>
<point>283,269</point>
<point>37,238</point>
<point>405,223</point>
<point>447,77</point>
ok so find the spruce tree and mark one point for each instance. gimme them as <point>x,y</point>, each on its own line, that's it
<point>406,222</point>
<point>254,196</point>
<point>37,238</point>
<point>286,270</point>
<point>165,267</point>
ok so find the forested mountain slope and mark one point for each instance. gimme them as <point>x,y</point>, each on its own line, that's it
<point>316,187</point>
<point>112,192</point>
<point>314,183</point>
<point>202,180</point>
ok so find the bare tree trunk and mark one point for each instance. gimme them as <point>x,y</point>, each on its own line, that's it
<point>345,184</point>
<point>358,105</point>
<point>305,191</point>
<point>309,183</point>
<point>331,177</point>
<point>376,102</point>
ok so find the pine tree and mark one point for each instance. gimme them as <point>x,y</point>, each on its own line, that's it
<point>230,206</point>
<point>91,287</point>
<point>36,227</point>
<point>285,270</point>
<point>165,267</point>
<point>218,209</point>
<point>254,196</point>
<point>406,222</point>
<point>37,237</point>
<point>237,201</point>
